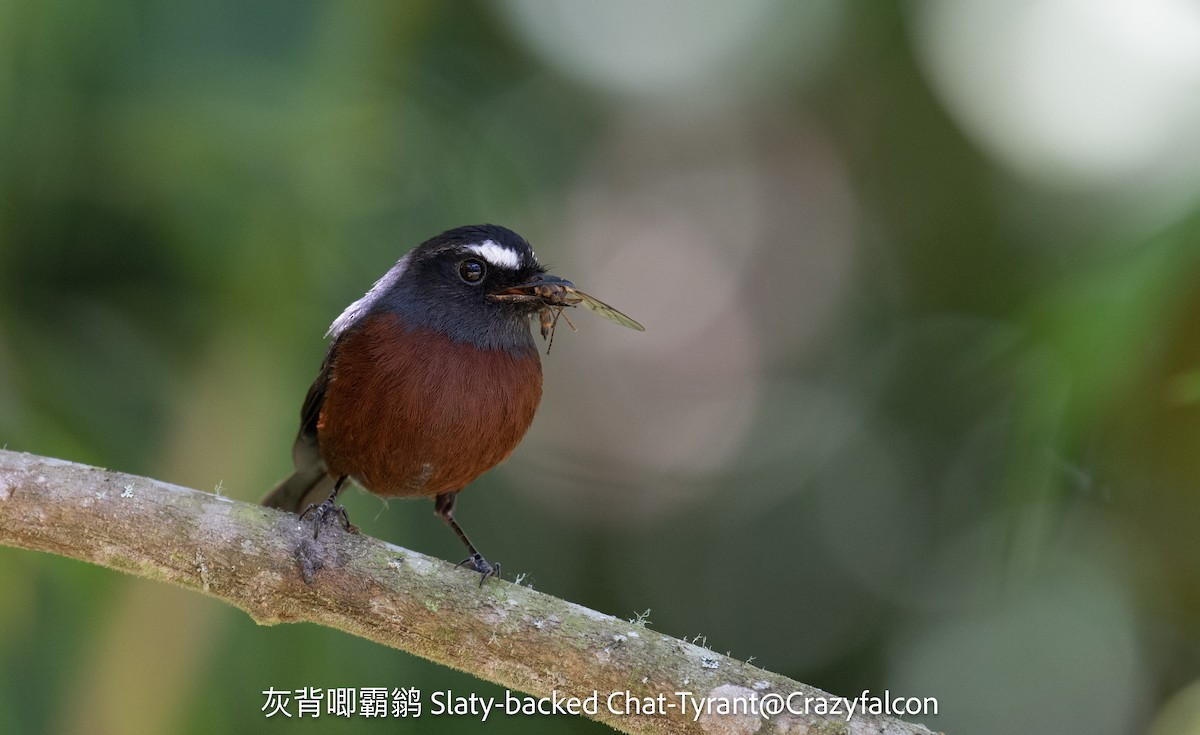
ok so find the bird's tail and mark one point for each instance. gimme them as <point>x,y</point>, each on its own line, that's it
<point>308,484</point>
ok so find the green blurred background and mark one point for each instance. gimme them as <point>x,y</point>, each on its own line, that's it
<point>918,403</point>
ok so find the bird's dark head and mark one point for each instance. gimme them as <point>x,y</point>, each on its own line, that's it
<point>448,283</point>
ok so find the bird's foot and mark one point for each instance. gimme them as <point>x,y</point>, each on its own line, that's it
<point>481,565</point>
<point>326,513</point>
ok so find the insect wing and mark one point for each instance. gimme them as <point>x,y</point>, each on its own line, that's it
<point>607,311</point>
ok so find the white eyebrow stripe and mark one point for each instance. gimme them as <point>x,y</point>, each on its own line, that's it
<point>497,255</point>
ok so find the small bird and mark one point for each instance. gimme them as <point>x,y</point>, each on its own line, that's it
<point>432,377</point>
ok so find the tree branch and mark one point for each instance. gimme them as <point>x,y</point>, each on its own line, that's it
<point>259,559</point>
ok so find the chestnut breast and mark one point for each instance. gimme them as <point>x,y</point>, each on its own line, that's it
<point>411,412</point>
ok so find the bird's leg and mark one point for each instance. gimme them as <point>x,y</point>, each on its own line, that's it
<point>444,507</point>
<point>328,509</point>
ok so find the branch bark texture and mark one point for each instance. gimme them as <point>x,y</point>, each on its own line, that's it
<point>267,563</point>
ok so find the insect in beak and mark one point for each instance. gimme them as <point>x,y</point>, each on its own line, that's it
<point>555,294</point>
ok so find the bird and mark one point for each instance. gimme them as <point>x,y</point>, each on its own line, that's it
<point>430,379</point>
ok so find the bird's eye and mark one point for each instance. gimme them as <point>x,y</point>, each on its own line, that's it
<point>471,270</point>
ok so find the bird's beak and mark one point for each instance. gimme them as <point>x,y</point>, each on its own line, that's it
<point>550,290</point>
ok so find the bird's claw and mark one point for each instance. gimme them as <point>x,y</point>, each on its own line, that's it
<point>481,565</point>
<point>325,512</point>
